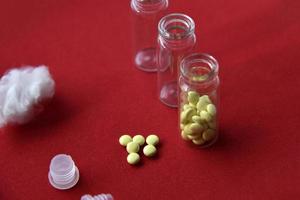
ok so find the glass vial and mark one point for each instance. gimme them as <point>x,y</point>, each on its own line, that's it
<point>145,16</point>
<point>176,39</point>
<point>198,113</point>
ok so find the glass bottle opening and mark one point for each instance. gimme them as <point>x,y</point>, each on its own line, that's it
<point>148,1</point>
<point>149,6</point>
<point>176,26</point>
<point>199,67</point>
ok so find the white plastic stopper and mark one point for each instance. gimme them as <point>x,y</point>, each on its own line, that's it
<point>97,197</point>
<point>63,173</point>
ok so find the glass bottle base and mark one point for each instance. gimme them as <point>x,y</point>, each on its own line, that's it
<point>169,94</point>
<point>145,60</point>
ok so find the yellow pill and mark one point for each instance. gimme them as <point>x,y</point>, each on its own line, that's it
<point>211,109</point>
<point>149,150</point>
<point>133,158</point>
<point>205,98</point>
<point>208,135</point>
<point>205,116</point>
<point>200,77</point>
<point>193,97</point>
<point>194,137</point>
<point>132,147</point>
<point>202,103</point>
<point>181,126</point>
<point>201,106</point>
<point>187,130</point>
<point>186,106</point>
<point>125,139</point>
<point>197,119</point>
<point>152,139</point>
<point>184,136</point>
<point>198,141</point>
<point>186,115</point>
<point>139,139</point>
<point>196,128</point>
<point>183,117</point>
<point>193,106</point>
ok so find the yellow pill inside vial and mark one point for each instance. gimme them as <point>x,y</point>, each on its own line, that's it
<point>182,126</point>
<point>184,136</point>
<point>202,103</point>
<point>194,137</point>
<point>197,119</point>
<point>187,114</point>
<point>186,106</point>
<point>133,158</point>
<point>198,141</point>
<point>193,106</point>
<point>139,139</point>
<point>132,147</point>
<point>149,150</point>
<point>183,117</point>
<point>187,130</point>
<point>196,128</point>
<point>200,77</point>
<point>193,97</point>
<point>205,98</point>
<point>125,139</point>
<point>152,139</point>
<point>205,116</point>
<point>211,109</point>
<point>208,134</point>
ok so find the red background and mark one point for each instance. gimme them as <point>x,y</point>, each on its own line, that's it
<point>101,95</point>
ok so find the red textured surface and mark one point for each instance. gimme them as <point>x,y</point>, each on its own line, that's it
<point>100,95</point>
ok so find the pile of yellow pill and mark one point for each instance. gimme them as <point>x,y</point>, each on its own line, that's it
<point>198,119</point>
<point>133,146</point>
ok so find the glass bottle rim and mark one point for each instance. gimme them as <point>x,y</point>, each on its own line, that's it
<point>187,71</point>
<point>148,1</point>
<point>176,18</point>
<point>149,6</point>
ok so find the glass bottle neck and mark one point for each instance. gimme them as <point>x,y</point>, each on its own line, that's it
<point>149,6</point>
<point>199,69</point>
<point>177,30</point>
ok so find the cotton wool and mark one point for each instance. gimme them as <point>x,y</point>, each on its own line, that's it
<point>22,92</point>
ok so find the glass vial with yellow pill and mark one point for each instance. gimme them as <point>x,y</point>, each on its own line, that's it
<point>198,99</point>
<point>145,17</point>
<point>175,40</point>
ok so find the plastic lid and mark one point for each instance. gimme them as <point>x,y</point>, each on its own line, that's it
<point>63,174</point>
<point>97,197</point>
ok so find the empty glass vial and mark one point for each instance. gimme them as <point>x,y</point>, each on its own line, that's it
<point>146,14</point>
<point>176,39</point>
<point>198,113</point>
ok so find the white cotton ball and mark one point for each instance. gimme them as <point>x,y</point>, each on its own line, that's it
<point>21,90</point>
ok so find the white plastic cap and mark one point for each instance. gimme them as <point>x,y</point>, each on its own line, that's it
<point>97,197</point>
<point>87,197</point>
<point>63,173</point>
